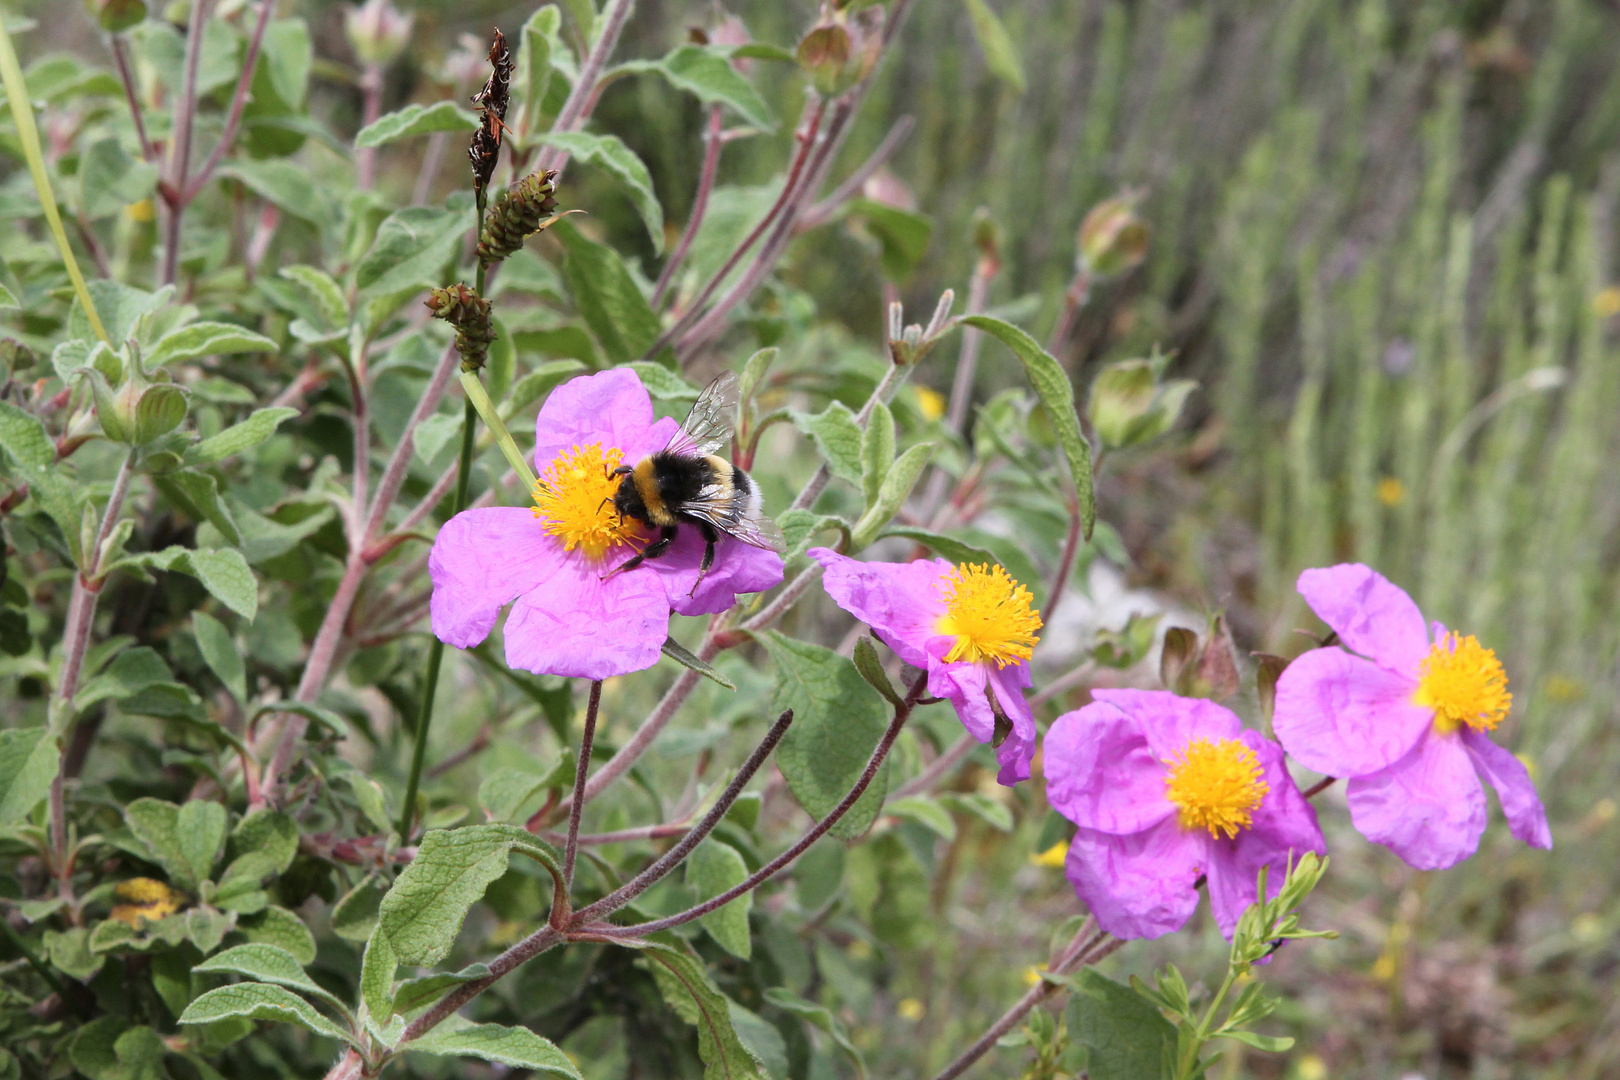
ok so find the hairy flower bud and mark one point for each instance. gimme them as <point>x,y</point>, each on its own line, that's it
<point>840,51</point>
<point>132,408</point>
<point>377,31</point>
<point>116,15</point>
<point>517,213</point>
<point>1112,238</point>
<point>468,312</point>
<point>1129,404</point>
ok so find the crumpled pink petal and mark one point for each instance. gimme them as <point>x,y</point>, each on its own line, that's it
<point>1169,721</point>
<point>1283,828</point>
<point>580,626</point>
<point>1527,818</point>
<point>1101,774</point>
<point>1017,750</point>
<point>900,601</point>
<point>470,587</point>
<point>1139,885</point>
<point>1428,807</point>
<point>1341,715</point>
<point>738,568</point>
<point>1371,615</point>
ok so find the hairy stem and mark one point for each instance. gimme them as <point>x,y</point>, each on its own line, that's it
<point>586,739</point>
<point>1071,547</point>
<point>577,108</point>
<point>185,116</point>
<point>821,212</point>
<point>120,54</point>
<point>233,118</point>
<point>700,206</point>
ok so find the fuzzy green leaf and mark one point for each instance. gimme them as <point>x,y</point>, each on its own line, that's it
<point>415,120</point>
<point>28,764</point>
<point>607,296</point>
<point>261,1001</point>
<point>1127,1037</point>
<point>220,653</point>
<point>206,339</point>
<point>1000,56</point>
<point>610,152</point>
<point>707,73</point>
<point>240,436</point>
<point>516,1047</point>
<point>269,964</point>
<point>877,452</point>
<point>712,869</point>
<point>838,437</point>
<point>692,994</point>
<point>199,832</point>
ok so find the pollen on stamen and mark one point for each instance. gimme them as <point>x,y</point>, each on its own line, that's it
<point>574,499</point>
<point>1464,683</point>
<point>1215,785</point>
<point>989,614</point>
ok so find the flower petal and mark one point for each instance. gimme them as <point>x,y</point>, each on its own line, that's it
<point>963,686</point>
<point>1017,751</point>
<point>1371,615</point>
<point>738,568</point>
<point>1101,774</point>
<point>1428,807</point>
<point>1139,885</point>
<point>579,626</point>
<point>1341,715</point>
<point>1527,818</point>
<point>900,601</point>
<point>481,561</point>
<point>609,407</point>
<point>1284,827</point>
<point>1168,721</point>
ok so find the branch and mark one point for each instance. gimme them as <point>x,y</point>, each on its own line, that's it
<point>700,206</point>
<point>577,807</point>
<point>238,102</point>
<point>120,52</point>
<point>819,213</point>
<point>577,108</point>
<point>185,116</point>
<point>399,463</point>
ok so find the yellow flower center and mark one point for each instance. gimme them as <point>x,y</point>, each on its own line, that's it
<point>1463,682</point>
<point>989,614</point>
<point>1215,784</point>
<point>574,497</point>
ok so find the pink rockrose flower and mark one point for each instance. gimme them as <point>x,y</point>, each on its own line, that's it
<point>970,627</point>
<point>1406,717</point>
<point>1167,790</point>
<point>571,617</point>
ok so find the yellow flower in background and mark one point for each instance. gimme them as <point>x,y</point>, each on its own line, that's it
<point>1391,492</point>
<point>911,1009</point>
<point>1052,856</point>
<point>1032,974</point>
<point>1606,304</point>
<point>146,899</point>
<point>1310,1067</point>
<point>140,211</point>
<point>1564,690</point>
<point>930,402</point>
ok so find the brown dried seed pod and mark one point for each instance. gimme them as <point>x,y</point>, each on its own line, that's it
<point>468,312</point>
<point>517,213</point>
<point>485,150</point>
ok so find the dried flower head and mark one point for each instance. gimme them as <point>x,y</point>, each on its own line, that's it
<point>492,99</point>
<point>518,213</point>
<point>468,312</point>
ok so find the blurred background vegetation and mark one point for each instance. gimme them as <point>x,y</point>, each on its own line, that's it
<point>1383,243</point>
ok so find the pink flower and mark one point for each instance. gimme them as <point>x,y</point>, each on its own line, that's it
<point>1406,721</point>
<point>969,627</point>
<point>1166,790</point>
<point>551,558</point>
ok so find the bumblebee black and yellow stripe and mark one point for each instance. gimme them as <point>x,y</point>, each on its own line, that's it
<point>645,476</point>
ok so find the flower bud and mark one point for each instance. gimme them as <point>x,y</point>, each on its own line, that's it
<point>1129,405</point>
<point>377,31</point>
<point>839,52</point>
<point>466,64</point>
<point>1112,238</point>
<point>116,15</point>
<point>468,312</point>
<point>131,407</point>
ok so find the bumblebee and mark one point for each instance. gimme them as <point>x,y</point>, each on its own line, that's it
<point>686,483</point>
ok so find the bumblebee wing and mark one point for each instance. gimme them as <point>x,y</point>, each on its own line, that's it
<point>714,506</point>
<point>711,420</point>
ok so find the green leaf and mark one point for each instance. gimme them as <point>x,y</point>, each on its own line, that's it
<point>1127,1037</point>
<point>133,671</point>
<point>947,547</point>
<point>279,927</point>
<point>70,953</point>
<point>663,384</point>
<point>891,495</point>
<point>877,451</point>
<point>319,714</point>
<point>8,299</point>
<point>687,659</point>
<point>323,291</point>
<point>871,669</point>
<point>220,654</point>
<point>537,383</point>
<point>354,916</point>
<point>261,1001</point>
<point>268,964</point>
<point>504,791</point>
<point>607,296</point>
<point>837,722</point>
<point>205,928</point>
<point>516,1047</point>
<point>289,187</point>
<point>23,437</point>
<point>925,812</point>
<point>419,993</point>
<point>415,120</point>
<point>196,495</point>
<point>199,832</point>
<point>1274,1044</point>
<point>902,236</point>
<point>1052,386</point>
<point>999,54</point>
<point>28,764</point>
<point>206,339</point>
<point>108,1049</point>
<point>988,810</point>
<point>707,73</point>
<point>823,1018</point>
<point>610,152</point>
<point>109,179</point>
<point>689,991</point>
<point>222,571</point>
<point>240,436</point>
<point>710,870</point>
<point>838,437</point>
<point>412,249</point>
<point>541,34</point>
<point>156,824</point>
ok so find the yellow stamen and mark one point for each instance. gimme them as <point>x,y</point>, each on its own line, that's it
<point>989,614</point>
<point>574,497</point>
<point>1463,682</point>
<point>1215,784</point>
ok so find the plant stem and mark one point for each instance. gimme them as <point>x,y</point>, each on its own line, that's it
<point>43,970</point>
<point>821,212</point>
<point>1320,786</point>
<point>120,52</point>
<point>238,101</point>
<point>185,116</point>
<point>22,113</point>
<point>370,107</point>
<point>700,206</point>
<point>1071,548</point>
<point>582,96</point>
<point>479,398</point>
<point>581,769</point>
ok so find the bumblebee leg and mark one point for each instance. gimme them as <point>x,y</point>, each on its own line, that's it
<point>711,536</point>
<point>666,537</point>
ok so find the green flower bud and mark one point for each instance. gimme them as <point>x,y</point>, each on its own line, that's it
<point>377,32</point>
<point>1129,404</point>
<point>1112,238</point>
<point>115,15</point>
<point>839,51</point>
<point>137,410</point>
